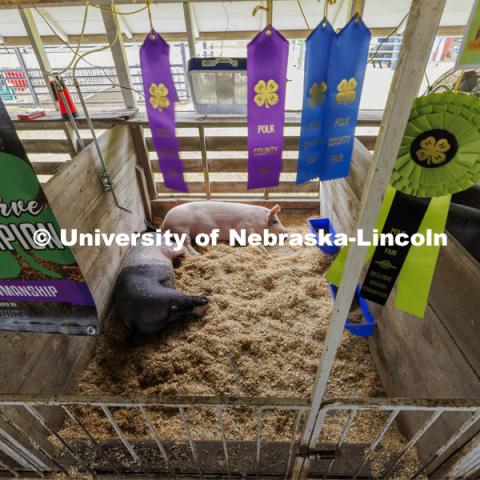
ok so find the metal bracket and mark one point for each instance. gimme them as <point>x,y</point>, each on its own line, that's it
<point>104,176</point>
<point>106,182</point>
<point>316,453</point>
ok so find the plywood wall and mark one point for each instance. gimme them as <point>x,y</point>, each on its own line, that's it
<point>44,363</point>
<point>436,357</point>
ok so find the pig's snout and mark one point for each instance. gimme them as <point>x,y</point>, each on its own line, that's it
<point>202,306</point>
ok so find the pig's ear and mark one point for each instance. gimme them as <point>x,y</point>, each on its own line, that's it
<point>274,210</point>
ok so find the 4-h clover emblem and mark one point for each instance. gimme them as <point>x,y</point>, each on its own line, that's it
<point>158,96</point>
<point>346,91</point>
<point>266,93</point>
<point>317,94</point>
<point>433,151</point>
<point>18,183</point>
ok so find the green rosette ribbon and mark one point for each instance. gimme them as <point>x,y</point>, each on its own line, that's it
<point>439,156</point>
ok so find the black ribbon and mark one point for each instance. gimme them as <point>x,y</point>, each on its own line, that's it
<point>405,216</point>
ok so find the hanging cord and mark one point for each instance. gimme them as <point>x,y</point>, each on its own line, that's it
<point>75,54</point>
<point>225,30</point>
<point>429,86</point>
<point>104,176</point>
<point>393,32</point>
<point>325,10</point>
<point>303,14</point>
<point>358,10</point>
<point>267,9</point>
<point>117,12</point>
<point>77,49</point>
<point>152,35</point>
<point>99,49</point>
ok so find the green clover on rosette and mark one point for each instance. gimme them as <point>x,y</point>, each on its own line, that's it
<point>18,183</point>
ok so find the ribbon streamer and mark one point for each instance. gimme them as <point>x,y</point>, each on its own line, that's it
<point>348,61</point>
<point>405,216</point>
<point>267,57</point>
<point>334,73</point>
<point>415,276</point>
<point>413,286</point>
<point>160,97</point>
<point>317,61</point>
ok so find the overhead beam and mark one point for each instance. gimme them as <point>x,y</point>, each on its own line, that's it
<point>54,24</point>
<point>195,29</point>
<point>89,39</point>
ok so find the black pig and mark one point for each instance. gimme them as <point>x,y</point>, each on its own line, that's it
<point>145,294</point>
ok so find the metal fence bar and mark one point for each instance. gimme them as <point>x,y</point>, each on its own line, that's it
<point>221,428</point>
<point>8,469</point>
<point>346,427</point>
<point>154,433</point>
<point>471,421</point>
<point>42,422</point>
<point>414,440</point>
<point>27,460</point>
<point>190,439</point>
<point>120,434</point>
<point>368,453</point>
<point>24,70</point>
<point>18,453</point>
<point>92,440</point>
<point>296,427</point>
<point>32,442</point>
<point>258,413</point>
<point>343,436</point>
<point>93,80</point>
<point>472,467</point>
<point>199,401</point>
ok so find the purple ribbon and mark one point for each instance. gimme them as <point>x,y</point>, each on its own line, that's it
<point>267,80</point>
<point>64,291</point>
<point>160,98</point>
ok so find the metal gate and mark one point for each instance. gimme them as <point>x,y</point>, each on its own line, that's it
<point>35,442</point>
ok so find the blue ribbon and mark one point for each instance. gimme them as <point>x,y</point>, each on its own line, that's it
<point>349,59</point>
<point>317,59</point>
<point>326,151</point>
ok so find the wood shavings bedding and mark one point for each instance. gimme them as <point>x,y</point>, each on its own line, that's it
<point>262,336</point>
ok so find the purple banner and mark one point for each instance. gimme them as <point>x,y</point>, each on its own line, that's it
<point>62,291</point>
<point>267,80</point>
<point>160,98</point>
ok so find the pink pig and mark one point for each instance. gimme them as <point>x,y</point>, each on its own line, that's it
<point>202,217</point>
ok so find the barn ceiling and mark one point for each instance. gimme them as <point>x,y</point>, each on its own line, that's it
<point>230,16</point>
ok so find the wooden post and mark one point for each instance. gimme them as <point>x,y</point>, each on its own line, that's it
<point>119,58</point>
<point>420,32</point>
<point>44,64</point>
<point>128,94</point>
<point>187,11</point>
